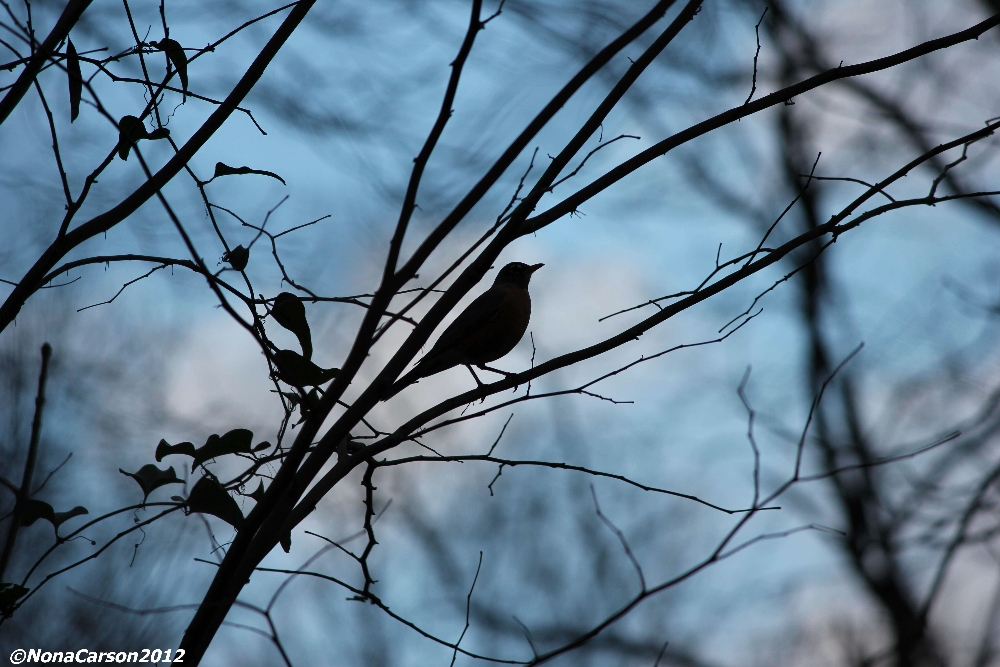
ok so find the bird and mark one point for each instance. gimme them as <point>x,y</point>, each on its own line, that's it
<point>489,328</point>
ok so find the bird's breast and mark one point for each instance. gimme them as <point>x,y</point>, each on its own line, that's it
<point>500,335</point>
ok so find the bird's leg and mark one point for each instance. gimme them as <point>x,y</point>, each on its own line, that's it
<point>476,377</point>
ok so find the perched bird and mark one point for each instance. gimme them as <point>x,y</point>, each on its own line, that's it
<point>488,329</point>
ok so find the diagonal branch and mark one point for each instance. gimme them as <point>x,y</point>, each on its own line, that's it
<point>24,491</point>
<point>420,162</point>
<point>602,58</point>
<point>292,479</point>
<point>32,279</point>
<point>614,175</point>
<point>837,225</point>
<point>558,466</point>
<point>71,14</point>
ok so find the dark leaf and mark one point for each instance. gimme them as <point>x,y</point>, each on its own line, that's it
<point>298,371</point>
<point>175,53</point>
<point>236,441</point>
<point>150,478</point>
<point>208,497</point>
<point>237,257</point>
<point>225,170</point>
<point>166,449</point>
<point>37,509</point>
<point>259,493</point>
<point>75,80</point>
<point>9,595</point>
<point>289,311</point>
<point>130,130</point>
<point>286,541</point>
<point>262,446</point>
<point>61,517</point>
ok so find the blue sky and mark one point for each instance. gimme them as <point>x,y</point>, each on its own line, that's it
<point>370,81</point>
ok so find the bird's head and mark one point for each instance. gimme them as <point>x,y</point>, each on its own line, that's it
<point>516,274</point>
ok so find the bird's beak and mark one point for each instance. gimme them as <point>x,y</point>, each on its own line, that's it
<point>534,267</point>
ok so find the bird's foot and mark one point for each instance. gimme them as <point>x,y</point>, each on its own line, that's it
<point>506,374</point>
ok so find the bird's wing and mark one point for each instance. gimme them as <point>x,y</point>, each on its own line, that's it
<point>483,310</point>
<point>478,314</point>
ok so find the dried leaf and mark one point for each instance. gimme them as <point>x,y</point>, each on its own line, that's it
<point>166,449</point>
<point>149,478</point>
<point>37,509</point>
<point>237,441</point>
<point>130,130</point>
<point>177,57</point>
<point>9,595</point>
<point>289,311</point>
<point>225,170</point>
<point>237,257</point>
<point>208,497</point>
<point>75,80</point>
<point>296,370</point>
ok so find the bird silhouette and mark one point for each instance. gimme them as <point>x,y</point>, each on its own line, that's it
<point>489,328</point>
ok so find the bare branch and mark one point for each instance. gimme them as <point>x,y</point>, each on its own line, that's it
<point>458,458</point>
<point>621,538</point>
<point>753,86</point>
<point>24,491</point>
<point>614,175</point>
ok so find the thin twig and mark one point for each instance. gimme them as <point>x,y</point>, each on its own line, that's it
<point>468,606</point>
<point>751,414</point>
<point>621,539</point>
<point>588,156</point>
<point>753,86</point>
<point>458,458</point>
